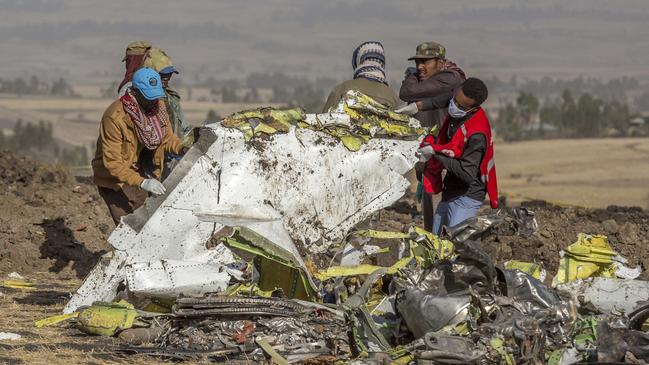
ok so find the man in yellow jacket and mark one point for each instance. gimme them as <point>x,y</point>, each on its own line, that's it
<point>134,135</point>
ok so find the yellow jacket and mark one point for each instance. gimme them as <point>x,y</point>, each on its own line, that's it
<point>118,147</point>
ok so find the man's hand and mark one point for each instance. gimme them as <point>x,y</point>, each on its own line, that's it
<point>411,71</point>
<point>153,186</point>
<point>410,109</point>
<point>425,153</point>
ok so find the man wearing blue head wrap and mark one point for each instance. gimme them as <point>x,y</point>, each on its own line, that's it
<point>368,62</point>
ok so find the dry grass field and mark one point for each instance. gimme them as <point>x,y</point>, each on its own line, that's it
<point>586,172</point>
<point>53,345</point>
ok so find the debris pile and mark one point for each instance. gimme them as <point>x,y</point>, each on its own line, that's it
<point>441,300</point>
<point>216,270</point>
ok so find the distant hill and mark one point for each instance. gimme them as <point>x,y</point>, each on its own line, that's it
<point>85,39</point>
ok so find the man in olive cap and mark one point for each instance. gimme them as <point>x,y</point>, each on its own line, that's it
<point>433,75</point>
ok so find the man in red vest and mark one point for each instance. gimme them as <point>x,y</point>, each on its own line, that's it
<point>464,148</point>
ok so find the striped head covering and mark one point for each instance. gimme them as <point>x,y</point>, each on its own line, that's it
<point>368,61</point>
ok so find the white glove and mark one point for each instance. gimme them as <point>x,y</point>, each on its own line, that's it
<point>425,153</point>
<point>153,186</point>
<point>410,109</point>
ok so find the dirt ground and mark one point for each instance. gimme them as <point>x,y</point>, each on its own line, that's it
<point>50,221</point>
<point>53,228</point>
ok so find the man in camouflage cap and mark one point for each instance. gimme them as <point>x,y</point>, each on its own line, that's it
<point>433,75</point>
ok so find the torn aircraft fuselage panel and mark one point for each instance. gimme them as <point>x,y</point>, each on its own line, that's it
<point>299,188</point>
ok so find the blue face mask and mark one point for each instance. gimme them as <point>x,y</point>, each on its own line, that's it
<point>454,111</point>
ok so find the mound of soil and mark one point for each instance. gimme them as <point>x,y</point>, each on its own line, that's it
<point>49,221</point>
<point>627,230</point>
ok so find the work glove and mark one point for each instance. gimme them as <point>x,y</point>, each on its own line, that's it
<point>153,186</point>
<point>425,153</point>
<point>411,71</point>
<point>410,109</point>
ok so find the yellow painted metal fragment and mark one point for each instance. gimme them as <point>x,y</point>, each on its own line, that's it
<point>50,321</point>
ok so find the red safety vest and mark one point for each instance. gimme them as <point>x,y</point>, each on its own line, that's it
<point>454,147</point>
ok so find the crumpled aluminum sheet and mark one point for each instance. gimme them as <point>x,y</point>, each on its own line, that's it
<point>444,349</point>
<point>424,312</point>
<point>472,229</point>
<point>531,297</point>
<point>529,293</point>
<point>317,188</point>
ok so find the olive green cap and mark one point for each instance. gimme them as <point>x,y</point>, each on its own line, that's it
<point>429,50</point>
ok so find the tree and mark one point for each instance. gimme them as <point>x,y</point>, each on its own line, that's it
<point>308,98</point>
<point>616,115</point>
<point>589,121</point>
<point>568,113</point>
<point>19,86</point>
<point>549,114</point>
<point>212,116</point>
<point>280,95</point>
<point>61,88</point>
<point>506,124</point>
<point>528,107</point>
<point>228,95</point>
<point>252,96</point>
<point>34,85</point>
<point>642,101</point>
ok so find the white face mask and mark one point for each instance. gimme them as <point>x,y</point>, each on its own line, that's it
<point>454,111</point>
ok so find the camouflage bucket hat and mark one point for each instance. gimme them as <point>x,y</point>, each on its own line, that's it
<point>428,50</point>
<point>158,60</point>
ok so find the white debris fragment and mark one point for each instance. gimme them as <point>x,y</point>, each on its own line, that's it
<point>168,278</point>
<point>302,186</point>
<point>608,295</point>
<point>16,276</point>
<point>624,272</point>
<point>9,336</point>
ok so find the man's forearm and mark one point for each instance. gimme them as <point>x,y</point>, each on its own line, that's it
<point>437,102</point>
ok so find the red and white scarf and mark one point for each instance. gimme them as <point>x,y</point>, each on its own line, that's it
<point>150,126</point>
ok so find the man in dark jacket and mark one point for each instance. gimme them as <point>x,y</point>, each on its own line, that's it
<point>433,75</point>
